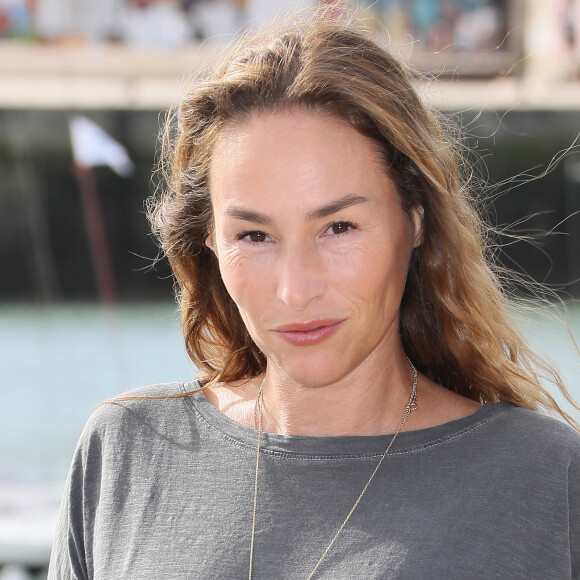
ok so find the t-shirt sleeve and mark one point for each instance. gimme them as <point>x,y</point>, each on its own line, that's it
<point>67,560</point>
<point>71,556</point>
<point>114,433</point>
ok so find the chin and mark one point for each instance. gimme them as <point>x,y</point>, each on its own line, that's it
<point>319,371</point>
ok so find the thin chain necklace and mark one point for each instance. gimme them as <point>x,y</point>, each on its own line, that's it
<point>411,406</point>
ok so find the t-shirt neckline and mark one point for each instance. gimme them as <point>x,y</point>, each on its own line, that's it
<point>339,447</point>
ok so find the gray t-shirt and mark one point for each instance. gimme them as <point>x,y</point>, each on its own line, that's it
<point>164,489</point>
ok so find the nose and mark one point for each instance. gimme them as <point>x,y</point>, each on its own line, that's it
<point>300,276</point>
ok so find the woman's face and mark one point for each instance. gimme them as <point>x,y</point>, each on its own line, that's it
<point>312,243</point>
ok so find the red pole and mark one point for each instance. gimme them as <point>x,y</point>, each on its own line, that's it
<point>97,234</point>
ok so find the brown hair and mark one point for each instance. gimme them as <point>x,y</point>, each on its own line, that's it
<point>454,319</point>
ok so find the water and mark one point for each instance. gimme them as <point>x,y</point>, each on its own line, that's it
<point>58,363</point>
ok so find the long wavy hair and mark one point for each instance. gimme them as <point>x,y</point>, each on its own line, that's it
<point>455,323</point>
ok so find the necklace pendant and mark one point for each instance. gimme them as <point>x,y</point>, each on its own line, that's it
<point>413,403</point>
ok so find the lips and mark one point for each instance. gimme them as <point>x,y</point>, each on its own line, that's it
<point>308,333</point>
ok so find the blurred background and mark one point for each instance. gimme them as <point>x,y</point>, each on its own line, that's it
<point>86,313</point>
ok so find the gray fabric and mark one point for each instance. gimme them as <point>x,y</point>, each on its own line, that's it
<point>164,489</point>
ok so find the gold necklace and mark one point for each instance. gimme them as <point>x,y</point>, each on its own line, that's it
<point>411,406</point>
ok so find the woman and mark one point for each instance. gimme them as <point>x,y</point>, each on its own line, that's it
<point>365,408</point>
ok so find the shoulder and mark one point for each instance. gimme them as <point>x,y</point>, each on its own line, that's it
<point>159,390</point>
<point>154,408</point>
<point>535,424</point>
<point>517,431</point>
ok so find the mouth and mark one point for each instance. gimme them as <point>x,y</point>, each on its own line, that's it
<point>308,333</point>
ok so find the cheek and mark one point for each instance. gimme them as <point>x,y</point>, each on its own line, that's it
<point>374,277</point>
<point>234,272</point>
<point>243,280</point>
<point>229,260</point>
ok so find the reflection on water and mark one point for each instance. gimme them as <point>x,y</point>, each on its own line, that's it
<point>59,362</point>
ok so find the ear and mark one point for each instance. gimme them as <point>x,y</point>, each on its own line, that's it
<point>417,214</point>
<point>210,242</point>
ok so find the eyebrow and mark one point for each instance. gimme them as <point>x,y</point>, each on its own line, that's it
<point>247,215</point>
<point>322,212</point>
<point>335,206</point>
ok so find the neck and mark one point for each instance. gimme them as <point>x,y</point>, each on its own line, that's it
<point>363,403</point>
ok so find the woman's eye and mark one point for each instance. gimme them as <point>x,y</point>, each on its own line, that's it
<point>340,227</point>
<point>255,236</point>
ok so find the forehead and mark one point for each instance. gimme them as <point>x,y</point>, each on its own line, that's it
<point>290,126</point>
<point>302,151</point>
